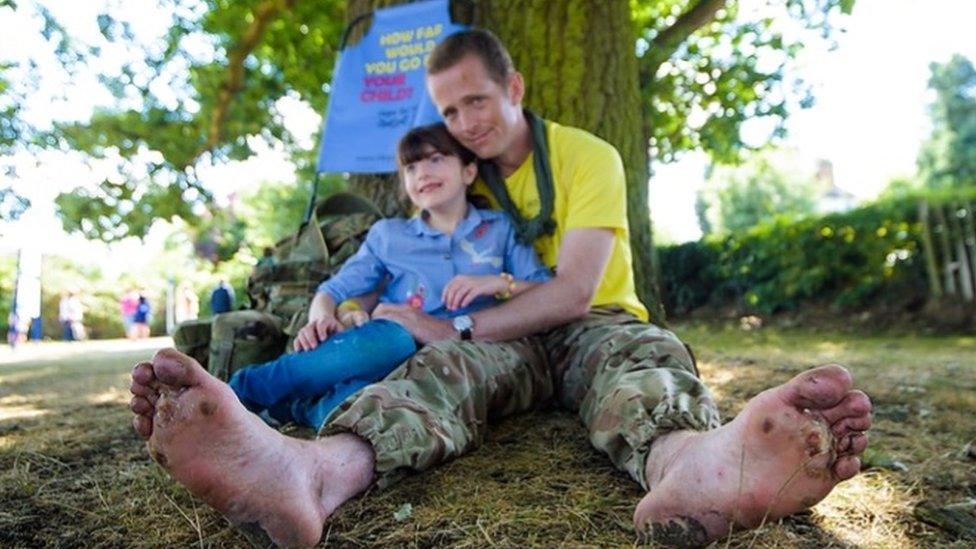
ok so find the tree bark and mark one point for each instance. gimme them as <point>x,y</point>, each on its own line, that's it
<point>577,57</point>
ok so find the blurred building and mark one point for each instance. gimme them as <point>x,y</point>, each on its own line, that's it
<point>832,198</point>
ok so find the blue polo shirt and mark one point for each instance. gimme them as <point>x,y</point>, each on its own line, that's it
<point>418,261</point>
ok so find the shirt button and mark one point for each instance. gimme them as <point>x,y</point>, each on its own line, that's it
<point>447,257</point>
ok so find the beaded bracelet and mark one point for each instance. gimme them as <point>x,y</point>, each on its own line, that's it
<point>348,305</point>
<point>511,286</point>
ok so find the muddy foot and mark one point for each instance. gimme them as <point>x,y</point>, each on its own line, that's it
<point>207,441</point>
<point>783,453</point>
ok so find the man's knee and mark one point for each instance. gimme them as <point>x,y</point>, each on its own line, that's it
<point>650,345</point>
<point>442,360</point>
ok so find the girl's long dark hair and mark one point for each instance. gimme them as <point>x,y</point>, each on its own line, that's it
<point>412,146</point>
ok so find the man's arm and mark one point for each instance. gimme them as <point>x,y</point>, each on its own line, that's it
<point>583,256</point>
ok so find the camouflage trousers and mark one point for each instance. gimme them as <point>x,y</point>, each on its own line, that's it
<point>629,381</point>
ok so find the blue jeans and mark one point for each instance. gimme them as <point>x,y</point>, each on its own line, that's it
<point>304,387</point>
<point>67,331</point>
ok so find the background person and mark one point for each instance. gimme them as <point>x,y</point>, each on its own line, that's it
<point>71,315</point>
<point>142,317</point>
<point>127,308</point>
<point>187,303</point>
<point>222,298</point>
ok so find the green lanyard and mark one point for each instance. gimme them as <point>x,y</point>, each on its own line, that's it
<point>527,230</point>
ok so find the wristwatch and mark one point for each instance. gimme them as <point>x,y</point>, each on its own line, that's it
<point>463,324</point>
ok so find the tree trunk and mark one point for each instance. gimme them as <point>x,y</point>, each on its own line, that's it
<point>580,69</point>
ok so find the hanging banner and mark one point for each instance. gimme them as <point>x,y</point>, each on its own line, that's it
<point>378,90</point>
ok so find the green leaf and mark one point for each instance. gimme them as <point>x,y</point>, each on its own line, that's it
<point>402,514</point>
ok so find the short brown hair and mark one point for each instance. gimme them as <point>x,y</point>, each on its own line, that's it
<point>478,42</point>
<point>412,145</point>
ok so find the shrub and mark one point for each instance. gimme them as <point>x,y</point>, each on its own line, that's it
<point>849,259</point>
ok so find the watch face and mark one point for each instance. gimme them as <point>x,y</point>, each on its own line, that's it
<point>462,323</point>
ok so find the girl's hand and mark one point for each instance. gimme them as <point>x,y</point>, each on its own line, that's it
<point>463,289</point>
<point>315,332</point>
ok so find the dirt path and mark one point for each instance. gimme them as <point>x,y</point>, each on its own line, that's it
<point>57,350</point>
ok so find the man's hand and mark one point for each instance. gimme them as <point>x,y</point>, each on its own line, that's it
<point>423,327</point>
<point>315,332</point>
<point>463,289</point>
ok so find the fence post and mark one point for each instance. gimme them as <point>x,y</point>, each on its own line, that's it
<point>947,266</point>
<point>969,237</point>
<point>962,253</point>
<point>931,265</point>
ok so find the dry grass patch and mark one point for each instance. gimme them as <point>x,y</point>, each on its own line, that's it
<point>72,473</point>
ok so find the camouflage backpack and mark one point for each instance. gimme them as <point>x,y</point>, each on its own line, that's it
<point>281,290</point>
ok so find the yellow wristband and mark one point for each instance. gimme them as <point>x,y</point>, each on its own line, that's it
<point>347,306</point>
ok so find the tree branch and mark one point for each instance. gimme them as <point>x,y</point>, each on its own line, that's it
<point>670,39</point>
<point>264,13</point>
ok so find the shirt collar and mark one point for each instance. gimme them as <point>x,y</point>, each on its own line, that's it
<point>470,221</point>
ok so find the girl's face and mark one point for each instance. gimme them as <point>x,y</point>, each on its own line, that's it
<point>437,180</point>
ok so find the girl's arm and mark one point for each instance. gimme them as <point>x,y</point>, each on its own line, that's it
<point>323,306</point>
<point>463,289</point>
<point>523,271</point>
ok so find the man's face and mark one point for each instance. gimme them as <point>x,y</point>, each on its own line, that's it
<point>479,112</point>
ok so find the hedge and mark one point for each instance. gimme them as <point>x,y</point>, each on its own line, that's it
<point>851,259</point>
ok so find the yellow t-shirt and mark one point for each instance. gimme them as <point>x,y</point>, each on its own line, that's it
<point>590,192</point>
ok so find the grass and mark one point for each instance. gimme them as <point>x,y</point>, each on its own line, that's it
<point>73,473</point>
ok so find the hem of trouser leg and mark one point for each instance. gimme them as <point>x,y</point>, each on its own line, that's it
<point>660,428</point>
<point>382,477</point>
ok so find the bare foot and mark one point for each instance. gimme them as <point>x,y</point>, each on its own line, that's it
<point>782,454</point>
<point>207,441</point>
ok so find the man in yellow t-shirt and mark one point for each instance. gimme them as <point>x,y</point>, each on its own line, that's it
<point>635,385</point>
<point>581,338</point>
<point>590,192</point>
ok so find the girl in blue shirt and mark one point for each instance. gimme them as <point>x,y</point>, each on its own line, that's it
<point>450,260</point>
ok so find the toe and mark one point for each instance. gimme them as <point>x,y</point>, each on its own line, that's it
<point>846,467</point>
<point>142,426</point>
<point>819,388</point>
<point>143,374</point>
<point>857,443</point>
<point>176,369</point>
<point>850,425</point>
<point>145,391</point>
<point>854,403</point>
<point>141,405</point>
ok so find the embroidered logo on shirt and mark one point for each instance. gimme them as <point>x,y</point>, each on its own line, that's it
<point>415,298</point>
<point>481,229</point>
<point>480,257</point>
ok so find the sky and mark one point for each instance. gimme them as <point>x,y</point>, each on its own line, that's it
<point>869,118</point>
